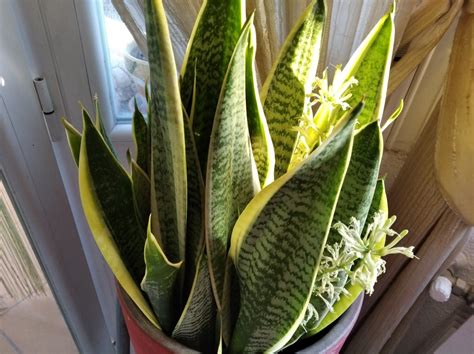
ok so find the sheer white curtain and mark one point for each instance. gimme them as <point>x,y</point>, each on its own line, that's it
<point>350,22</point>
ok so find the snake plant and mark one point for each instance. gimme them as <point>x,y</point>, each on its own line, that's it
<point>245,220</point>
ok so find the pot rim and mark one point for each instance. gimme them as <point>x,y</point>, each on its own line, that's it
<point>146,326</point>
<point>339,331</point>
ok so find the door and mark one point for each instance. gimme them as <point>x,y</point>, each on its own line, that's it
<point>30,319</point>
<point>41,230</point>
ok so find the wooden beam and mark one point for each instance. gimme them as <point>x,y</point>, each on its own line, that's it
<point>377,329</point>
<point>454,156</point>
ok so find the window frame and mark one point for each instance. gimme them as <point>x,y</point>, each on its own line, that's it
<point>99,77</point>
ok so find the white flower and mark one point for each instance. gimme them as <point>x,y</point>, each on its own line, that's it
<point>335,95</point>
<point>312,128</point>
<point>369,248</point>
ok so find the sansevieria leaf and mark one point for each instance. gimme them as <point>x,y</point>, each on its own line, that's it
<point>101,174</point>
<point>262,145</point>
<point>278,241</point>
<point>73,139</point>
<point>107,199</point>
<point>99,123</point>
<point>361,178</point>
<point>285,92</point>
<point>196,325</point>
<point>141,192</point>
<point>141,139</point>
<point>370,66</point>
<point>365,77</point>
<point>379,204</point>
<point>195,218</point>
<point>210,47</point>
<point>168,160</point>
<point>161,283</point>
<point>232,178</point>
<point>354,200</point>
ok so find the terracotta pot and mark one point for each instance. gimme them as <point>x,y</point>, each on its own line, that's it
<point>146,339</point>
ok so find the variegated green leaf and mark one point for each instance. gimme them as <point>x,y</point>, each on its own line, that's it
<point>262,145</point>
<point>141,137</point>
<point>370,65</point>
<point>278,241</point>
<point>74,136</point>
<point>232,178</point>
<point>195,219</point>
<point>196,325</point>
<point>354,201</point>
<point>285,92</point>
<point>99,123</point>
<point>107,199</point>
<point>379,203</point>
<point>141,192</point>
<point>112,189</point>
<point>361,178</point>
<point>160,283</point>
<point>230,302</point>
<point>168,160</point>
<point>210,48</point>
<point>73,139</point>
<point>365,77</point>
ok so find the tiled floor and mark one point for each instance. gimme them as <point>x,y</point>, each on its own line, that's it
<point>30,319</point>
<point>35,325</point>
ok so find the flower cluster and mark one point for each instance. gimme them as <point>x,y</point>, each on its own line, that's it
<point>358,256</point>
<point>313,128</point>
<point>335,95</point>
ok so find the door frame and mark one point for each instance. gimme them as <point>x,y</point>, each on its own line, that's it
<point>35,168</point>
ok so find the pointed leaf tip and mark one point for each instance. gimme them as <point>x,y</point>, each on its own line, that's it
<point>160,282</point>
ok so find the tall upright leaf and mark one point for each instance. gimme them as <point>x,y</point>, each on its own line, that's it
<point>107,199</point>
<point>196,325</point>
<point>262,145</point>
<point>370,66</point>
<point>168,160</point>
<point>354,201</point>
<point>112,190</point>
<point>231,179</point>
<point>285,92</point>
<point>99,123</point>
<point>278,241</point>
<point>141,136</point>
<point>365,77</point>
<point>197,321</point>
<point>210,48</point>
<point>141,193</point>
<point>195,218</point>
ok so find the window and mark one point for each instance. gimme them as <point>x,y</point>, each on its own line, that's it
<point>126,65</point>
